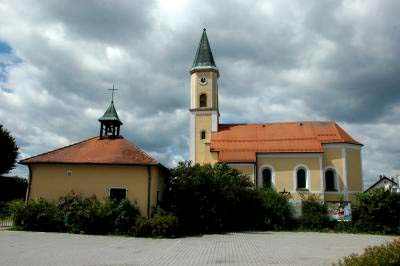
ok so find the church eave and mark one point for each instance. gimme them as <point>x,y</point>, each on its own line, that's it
<point>104,119</point>
<point>204,68</point>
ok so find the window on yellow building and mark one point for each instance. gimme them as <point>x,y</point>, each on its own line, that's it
<point>118,193</point>
<point>203,134</point>
<point>203,100</point>
<point>267,177</point>
<point>330,180</point>
<point>301,178</point>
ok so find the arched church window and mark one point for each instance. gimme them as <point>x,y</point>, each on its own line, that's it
<point>301,176</point>
<point>203,100</point>
<point>330,180</point>
<point>267,177</point>
<point>203,134</point>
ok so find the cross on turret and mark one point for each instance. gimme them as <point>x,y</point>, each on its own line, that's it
<point>112,93</point>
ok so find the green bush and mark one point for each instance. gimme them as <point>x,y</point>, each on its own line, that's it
<point>314,214</point>
<point>76,214</point>
<point>124,215</point>
<point>84,215</point>
<point>36,215</point>
<point>384,255</point>
<point>17,208</point>
<point>209,199</point>
<point>378,210</point>
<point>274,210</point>
<point>161,224</point>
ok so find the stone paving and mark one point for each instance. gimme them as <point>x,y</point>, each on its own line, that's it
<point>258,248</point>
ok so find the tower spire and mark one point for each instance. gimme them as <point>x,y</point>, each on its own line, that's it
<point>204,58</point>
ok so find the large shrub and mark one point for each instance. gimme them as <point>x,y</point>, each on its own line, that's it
<point>84,215</point>
<point>384,255</point>
<point>274,210</point>
<point>314,214</point>
<point>161,224</point>
<point>378,210</point>
<point>124,215</point>
<point>76,214</point>
<point>36,215</point>
<point>210,198</point>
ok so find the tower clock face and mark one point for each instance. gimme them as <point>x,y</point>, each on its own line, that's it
<point>203,81</point>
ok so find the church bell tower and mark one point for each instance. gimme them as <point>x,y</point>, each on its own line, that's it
<point>110,123</point>
<point>204,114</point>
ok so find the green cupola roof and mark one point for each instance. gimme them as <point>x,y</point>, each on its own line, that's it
<point>204,58</point>
<point>110,115</point>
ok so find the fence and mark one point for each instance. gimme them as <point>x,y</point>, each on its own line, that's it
<point>6,222</point>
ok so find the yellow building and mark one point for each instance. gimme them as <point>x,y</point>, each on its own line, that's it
<point>297,157</point>
<point>105,166</point>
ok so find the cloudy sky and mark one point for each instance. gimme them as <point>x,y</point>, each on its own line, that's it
<point>279,61</point>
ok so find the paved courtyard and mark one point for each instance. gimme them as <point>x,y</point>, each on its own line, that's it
<point>261,248</point>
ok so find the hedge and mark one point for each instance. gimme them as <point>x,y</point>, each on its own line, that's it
<point>76,214</point>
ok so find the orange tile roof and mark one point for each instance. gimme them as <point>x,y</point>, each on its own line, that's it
<point>241,142</point>
<point>96,151</point>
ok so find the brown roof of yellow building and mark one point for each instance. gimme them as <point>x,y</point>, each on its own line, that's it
<point>96,151</point>
<point>241,142</point>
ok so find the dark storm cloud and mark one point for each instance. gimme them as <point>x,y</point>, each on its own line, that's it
<point>364,61</point>
<point>279,60</point>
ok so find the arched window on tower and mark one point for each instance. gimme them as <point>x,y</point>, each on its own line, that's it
<point>301,176</point>
<point>267,177</point>
<point>330,180</point>
<point>203,100</point>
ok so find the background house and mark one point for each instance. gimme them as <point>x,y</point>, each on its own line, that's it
<point>386,183</point>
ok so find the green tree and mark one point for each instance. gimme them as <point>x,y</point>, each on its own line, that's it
<point>378,210</point>
<point>8,151</point>
<point>209,198</point>
<point>275,211</point>
<point>314,212</point>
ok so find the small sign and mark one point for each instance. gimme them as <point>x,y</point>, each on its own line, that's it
<point>339,211</point>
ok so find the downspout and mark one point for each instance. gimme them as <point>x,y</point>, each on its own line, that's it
<point>28,191</point>
<point>256,173</point>
<point>148,190</point>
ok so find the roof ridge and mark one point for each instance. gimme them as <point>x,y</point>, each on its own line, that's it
<point>257,140</point>
<point>58,149</point>
<point>280,122</point>
<point>292,150</point>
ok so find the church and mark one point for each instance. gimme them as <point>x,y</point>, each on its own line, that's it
<point>301,157</point>
<point>107,165</point>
